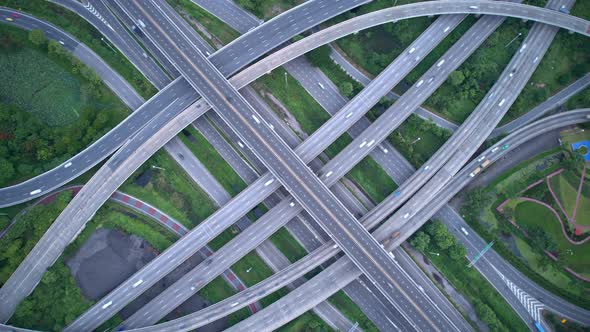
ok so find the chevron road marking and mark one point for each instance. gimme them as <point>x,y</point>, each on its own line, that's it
<point>532,305</point>
<point>97,14</point>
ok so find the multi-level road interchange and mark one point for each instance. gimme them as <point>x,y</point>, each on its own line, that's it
<point>118,160</point>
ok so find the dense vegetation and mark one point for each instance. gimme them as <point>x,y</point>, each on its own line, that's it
<point>51,105</point>
<point>87,34</point>
<point>57,300</point>
<point>436,242</point>
<point>25,233</point>
<point>479,211</point>
<point>266,9</point>
<point>436,236</point>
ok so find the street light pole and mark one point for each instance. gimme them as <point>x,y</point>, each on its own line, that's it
<point>416,140</point>
<point>156,167</point>
<point>513,39</point>
<point>286,83</point>
<point>109,45</point>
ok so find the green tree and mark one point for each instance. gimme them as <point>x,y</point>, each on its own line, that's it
<point>297,38</point>
<point>37,37</point>
<point>346,88</point>
<point>508,212</point>
<point>573,161</point>
<point>420,241</point>
<point>456,78</point>
<point>488,316</point>
<point>439,232</point>
<point>543,262</point>
<point>53,47</point>
<point>457,251</point>
<point>320,56</point>
<point>6,170</point>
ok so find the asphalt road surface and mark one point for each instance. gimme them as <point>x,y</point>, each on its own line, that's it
<point>278,157</point>
<point>338,274</point>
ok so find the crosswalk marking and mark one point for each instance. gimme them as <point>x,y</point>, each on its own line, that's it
<point>532,305</point>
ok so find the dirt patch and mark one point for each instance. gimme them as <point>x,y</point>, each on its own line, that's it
<point>110,256</point>
<point>144,178</point>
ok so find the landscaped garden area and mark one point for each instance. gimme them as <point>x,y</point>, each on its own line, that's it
<point>538,214</point>
<point>547,213</point>
<point>51,105</point>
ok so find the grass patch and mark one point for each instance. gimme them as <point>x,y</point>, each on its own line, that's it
<point>550,272</point>
<point>26,232</point>
<point>530,214</point>
<point>54,303</point>
<point>418,139</point>
<point>568,326</point>
<point>258,269</point>
<point>171,190</point>
<point>565,186</point>
<point>439,51</point>
<point>373,49</point>
<point>87,34</point>
<point>34,82</point>
<point>287,244</point>
<point>266,9</point>
<point>218,290</point>
<point>215,26</point>
<point>211,159</point>
<point>337,75</point>
<point>309,114</point>
<point>580,100</point>
<point>352,311</point>
<point>371,177</point>
<point>306,322</point>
